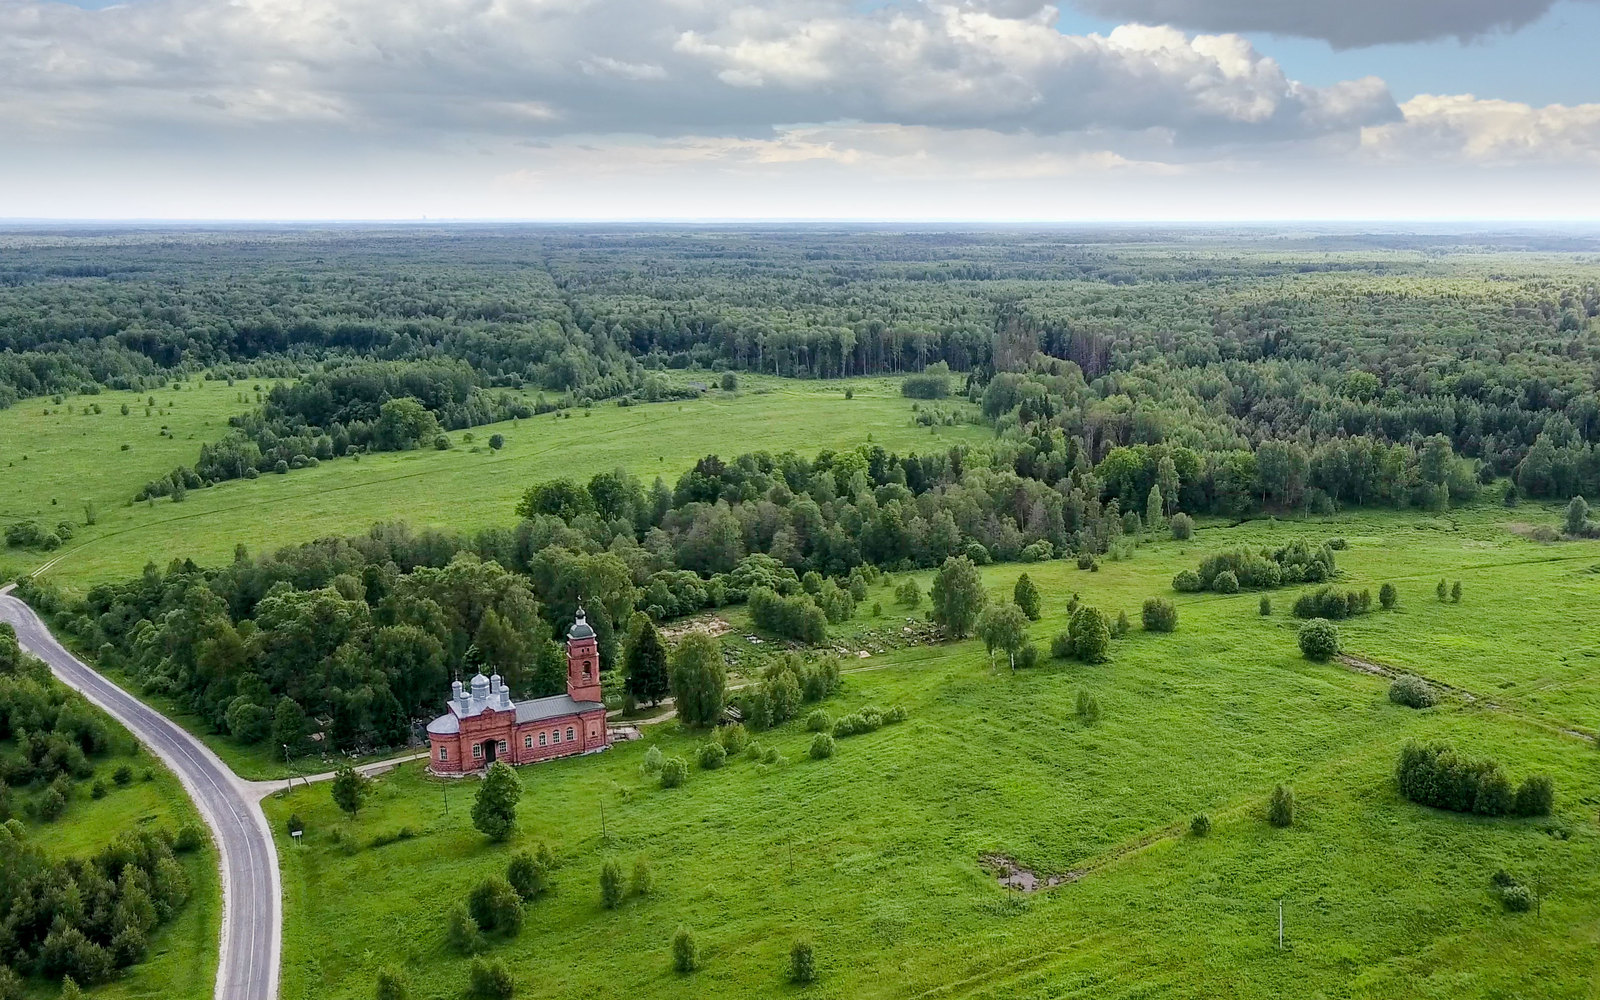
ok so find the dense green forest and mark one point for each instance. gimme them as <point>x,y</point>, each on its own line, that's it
<point>1130,383</point>
<point>1215,342</point>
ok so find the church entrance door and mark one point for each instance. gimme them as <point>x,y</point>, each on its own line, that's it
<point>488,751</point>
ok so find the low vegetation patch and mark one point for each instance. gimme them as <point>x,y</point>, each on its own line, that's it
<point>1434,774</point>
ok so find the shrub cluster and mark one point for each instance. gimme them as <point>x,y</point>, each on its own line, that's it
<point>1319,639</point>
<point>86,918</point>
<point>1088,636</point>
<point>1413,692</point>
<point>1332,603</point>
<point>1259,569</point>
<point>1159,615</point>
<point>786,684</point>
<point>795,617</point>
<point>1433,774</point>
<point>867,720</point>
<point>1514,896</point>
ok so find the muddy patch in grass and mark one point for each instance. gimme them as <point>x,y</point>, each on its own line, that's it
<point>1014,876</point>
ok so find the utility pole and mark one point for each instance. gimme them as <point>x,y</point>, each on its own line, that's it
<point>602,819</point>
<point>288,769</point>
<point>1280,925</point>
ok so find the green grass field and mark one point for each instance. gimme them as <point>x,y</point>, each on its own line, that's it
<point>182,962</point>
<point>73,458</point>
<point>876,853</point>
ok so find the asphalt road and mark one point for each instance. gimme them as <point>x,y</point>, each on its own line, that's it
<point>252,916</point>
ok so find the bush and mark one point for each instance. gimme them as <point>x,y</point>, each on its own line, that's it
<point>1091,634</point>
<point>1455,592</point>
<point>1412,691</point>
<point>652,760</point>
<point>1086,560</point>
<point>1061,646</point>
<point>1122,626</point>
<point>1225,582</point>
<point>1182,527</point>
<point>528,876</point>
<point>192,835</point>
<point>496,906</point>
<point>1200,825</point>
<point>1441,590</point>
<point>1319,639</point>
<point>491,981</point>
<point>685,955</point>
<point>1187,581</point>
<point>821,746</point>
<point>1516,898</point>
<point>1280,808</point>
<point>391,985</point>
<point>463,931</point>
<point>674,772</point>
<point>1332,603</point>
<point>123,775</point>
<point>1388,597</point>
<point>733,738</point>
<point>1536,796</point>
<point>712,756</point>
<point>610,885</point>
<point>802,962</point>
<point>643,882</point>
<point>1088,707</point>
<point>1265,606</point>
<point>819,721</point>
<point>1159,615</point>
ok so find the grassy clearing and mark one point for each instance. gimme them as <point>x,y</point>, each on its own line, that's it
<point>182,962</point>
<point>457,488</point>
<point>875,853</point>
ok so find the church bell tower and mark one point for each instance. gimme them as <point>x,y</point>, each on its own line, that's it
<point>583,661</point>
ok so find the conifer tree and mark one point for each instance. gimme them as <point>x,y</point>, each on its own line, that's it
<point>494,812</point>
<point>1026,596</point>
<point>645,664</point>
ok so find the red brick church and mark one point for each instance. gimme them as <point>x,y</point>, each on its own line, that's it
<point>484,725</point>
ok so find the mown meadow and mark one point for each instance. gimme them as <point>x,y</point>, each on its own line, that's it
<point>75,457</point>
<point>877,853</point>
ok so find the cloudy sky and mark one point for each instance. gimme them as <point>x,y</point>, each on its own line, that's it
<point>831,109</point>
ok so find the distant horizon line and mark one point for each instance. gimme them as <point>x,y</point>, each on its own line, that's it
<point>1475,222</point>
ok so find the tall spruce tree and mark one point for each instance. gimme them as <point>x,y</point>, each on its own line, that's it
<point>646,666</point>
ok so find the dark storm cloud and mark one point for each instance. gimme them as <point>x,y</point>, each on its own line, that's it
<point>1344,24</point>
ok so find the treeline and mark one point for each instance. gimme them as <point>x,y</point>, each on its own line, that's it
<point>346,640</point>
<point>374,406</point>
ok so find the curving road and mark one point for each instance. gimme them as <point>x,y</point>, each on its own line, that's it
<point>252,916</point>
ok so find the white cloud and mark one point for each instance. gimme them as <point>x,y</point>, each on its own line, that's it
<point>1455,128</point>
<point>424,69</point>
